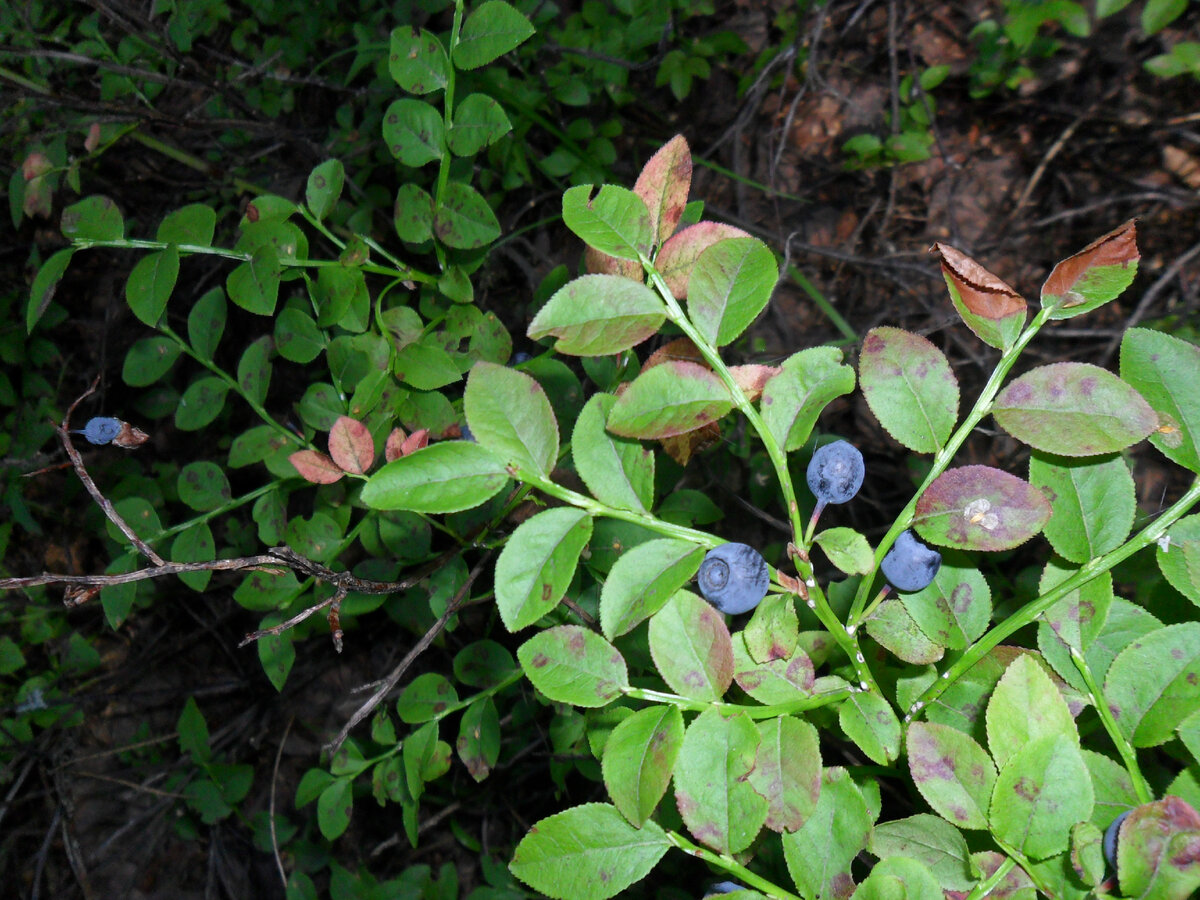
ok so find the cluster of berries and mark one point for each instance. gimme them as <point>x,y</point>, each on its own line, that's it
<point>734,577</point>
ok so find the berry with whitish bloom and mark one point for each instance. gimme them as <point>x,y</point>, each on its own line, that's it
<point>835,472</point>
<point>723,887</point>
<point>1111,836</point>
<point>734,578</point>
<point>100,430</point>
<point>910,565</point>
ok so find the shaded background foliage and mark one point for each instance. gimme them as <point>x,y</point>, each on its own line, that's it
<point>1019,154</point>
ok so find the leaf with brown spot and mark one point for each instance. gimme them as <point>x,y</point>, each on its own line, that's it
<point>1093,276</point>
<point>664,184</point>
<point>988,305</point>
<point>316,467</point>
<point>752,379</point>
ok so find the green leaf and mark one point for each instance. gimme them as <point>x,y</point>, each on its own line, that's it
<point>417,61</point>
<point>492,30</point>
<point>45,283</point>
<point>847,550</point>
<point>1158,14</point>
<point>672,398</point>
<point>930,840</point>
<point>1075,621</point>
<point>193,732</point>
<point>639,756</point>
<point>203,486</point>
<point>324,187</point>
<point>201,403</point>
<point>537,564</point>
<point>643,580</point>
<point>483,664</point>
<point>572,665</point>
<point>150,284</point>
<point>587,852</point>
<point>730,285</point>
<point>425,698</point>
<point>94,218</point>
<point>413,131</point>
<point>509,414</point>
<point>953,773</point>
<point>413,214</point>
<point>478,743</point>
<point>194,544</point>
<point>691,647</point>
<point>677,257</point>
<point>869,721</point>
<point>192,224</point>
<point>254,369</point>
<point>1093,276</point>
<point>792,400</point>
<point>445,477</point>
<point>899,876</point>
<point>956,607</point>
<point>820,853</point>
<point>297,337</point>
<point>1164,370</point>
<point>254,285</point>
<point>148,360</point>
<point>1179,560</point>
<point>1043,790</point>
<point>321,406</point>
<point>1024,707</point>
<point>980,508</point>
<point>425,366</point>
<point>618,471</point>
<point>773,631</point>
<point>463,220</point>
<point>334,807</point>
<point>1073,409</point>
<point>715,798</point>
<point>1154,684</point>
<point>1093,501</point>
<point>910,388</point>
<point>598,315</point>
<point>479,121</point>
<point>206,323</point>
<point>988,306</point>
<point>615,221</point>
<point>787,771</point>
<point>779,680</point>
<point>892,627</point>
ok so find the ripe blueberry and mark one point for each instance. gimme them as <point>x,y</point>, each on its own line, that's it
<point>519,357</point>
<point>723,887</point>
<point>910,565</point>
<point>101,430</point>
<point>835,473</point>
<point>465,434</point>
<point>733,578</point>
<point>1111,836</point>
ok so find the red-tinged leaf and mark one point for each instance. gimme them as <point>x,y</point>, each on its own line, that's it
<point>316,467</point>
<point>35,165</point>
<point>393,449</point>
<point>679,253</point>
<point>1094,275</point>
<point>1074,409</point>
<point>38,198</point>
<point>418,440</point>
<point>351,446</point>
<point>980,508</point>
<point>664,184</point>
<point>670,399</point>
<point>989,307</point>
<point>92,141</point>
<point>679,349</point>
<point>752,379</point>
<point>598,263</point>
<point>1158,850</point>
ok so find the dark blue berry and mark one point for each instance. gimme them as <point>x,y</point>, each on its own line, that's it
<point>101,430</point>
<point>910,565</point>
<point>836,472</point>
<point>723,887</point>
<point>465,433</point>
<point>1111,835</point>
<point>733,578</point>
<point>520,357</point>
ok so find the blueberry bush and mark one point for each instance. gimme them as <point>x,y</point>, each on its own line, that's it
<point>840,714</point>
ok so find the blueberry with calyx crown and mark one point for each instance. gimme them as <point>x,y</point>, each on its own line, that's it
<point>100,430</point>
<point>910,565</point>
<point>733,578</point>
<point>835,472</point>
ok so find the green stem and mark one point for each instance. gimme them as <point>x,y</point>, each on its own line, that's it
<point>213,513</point>
<point>1128,756</point>
<point>1020,859</point>
<point>732,866</point>
<point>1029,613</point>
<point>944,456</point>
<point>985,887</point>
<point>800,704</point>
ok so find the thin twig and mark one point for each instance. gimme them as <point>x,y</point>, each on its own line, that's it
<point>271,805</point>
<point>393,677</point>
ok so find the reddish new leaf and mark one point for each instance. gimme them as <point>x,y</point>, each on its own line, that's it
<point>988,305</point>
<point>980,508</point>
<point>393,449</point>
<point>1094,275</point>
<point>351,446</point>
<point>315,466</point>
<point>678,255</point>
<point>414,442</point>
<point>664,185</point>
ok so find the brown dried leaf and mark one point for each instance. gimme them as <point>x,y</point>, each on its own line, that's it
<point>983,293</point>
<point>683,447</point>
<point>315,466</point>
<point>351,446</point>
<point>664,184</point>
<point>1182,165</point>
<point>752,379</point>
<point>1117,248</point>
<point>130,437</point>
